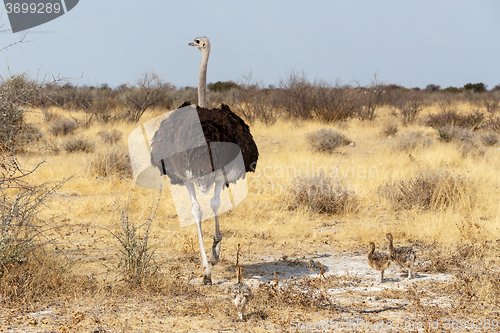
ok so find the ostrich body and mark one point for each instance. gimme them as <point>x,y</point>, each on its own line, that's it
<point>240,294</point>
<point>378,261</point>
<point>404,257</point>
<point>199,161</point>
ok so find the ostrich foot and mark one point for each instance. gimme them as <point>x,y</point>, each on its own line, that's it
<point>215,253</point>
<point>206,278</point>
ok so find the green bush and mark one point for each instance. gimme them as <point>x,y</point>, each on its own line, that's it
<point>475,87</point>
<point>221,86</point>
<point>451,89</point>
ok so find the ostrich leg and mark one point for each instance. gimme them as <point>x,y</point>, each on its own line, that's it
<point>215,205</point>
<point>197,213</point>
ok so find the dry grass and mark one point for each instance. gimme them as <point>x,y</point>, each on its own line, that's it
<point>62,126</point>
<point>321,194</point>
<point>431,190</point>
<point>455,221</point>
<point>410,141</point>
<point>327,140</point>
<point>115,161</point>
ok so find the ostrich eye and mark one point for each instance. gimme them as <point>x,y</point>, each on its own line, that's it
<point>197,41</point>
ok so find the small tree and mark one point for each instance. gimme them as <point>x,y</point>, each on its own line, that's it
<point>297,96</point>
<point>409,104</point>
<point>475,87</point>
<point>433,87</point>
<point>222,86</point>
<point>149,92</point>
<point>371,98</point>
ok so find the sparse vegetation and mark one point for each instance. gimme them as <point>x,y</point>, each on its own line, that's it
<point>471,121</point>
<point>412,140</point>
<point>137,262</point>
<point>110,137</point>
<point>79,143</point>
<point>322,194</point>
<point>61,258</point>
<point>389,128</point>
<point>431,190</point>
<point>489,139</point>
<point>327,140</point>
<point>62,126</point>
<point>113,161</point>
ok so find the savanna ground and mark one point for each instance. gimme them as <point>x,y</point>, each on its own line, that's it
<point>301,235</point>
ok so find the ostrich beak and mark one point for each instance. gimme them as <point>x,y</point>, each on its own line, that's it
<point>191,44</point>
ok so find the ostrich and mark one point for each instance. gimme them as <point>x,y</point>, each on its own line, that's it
<point>191,163</point>
<point>240,294</point>
<point>404,257</point>
<point>378,261</point>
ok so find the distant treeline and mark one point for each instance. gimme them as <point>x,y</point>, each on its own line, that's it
<point>295,97</point>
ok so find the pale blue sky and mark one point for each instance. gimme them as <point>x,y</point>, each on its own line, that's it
<point>445,42</point>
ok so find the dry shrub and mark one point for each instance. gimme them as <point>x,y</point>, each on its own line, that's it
<point>62,126</point>
<point>411,141</point>
<point>407,104</point>
<point>327,140</point>
<point>471,149</point>
<point>256,103</point>
<point>468,143</point>
<point>49,116</point>
<point>491,123</point>
<point>431,190</point>
<point>453,118</point>
<point>489,139</point>
<point>115,161</point>
<point>29,135</point>
<point>447,133</point>
<point>477,281</point>
<point>137,264</point>
<point>477,284</point>
<point>389,128</point>
<point>78,144</point>
<point>110,137</point>
<point>21,232</point>
<point>322,194</point>
<point>30,282</point>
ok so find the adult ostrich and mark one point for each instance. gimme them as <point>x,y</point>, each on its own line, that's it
<point>203,164</point>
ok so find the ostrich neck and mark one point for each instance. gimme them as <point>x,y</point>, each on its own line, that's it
<point>202,78</point>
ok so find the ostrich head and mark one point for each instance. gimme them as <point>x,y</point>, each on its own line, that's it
<point>201,43</point>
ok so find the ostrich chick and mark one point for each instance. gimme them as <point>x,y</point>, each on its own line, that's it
<point>404,257</point>
<point>378,261</point>
<point>240,294</point>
